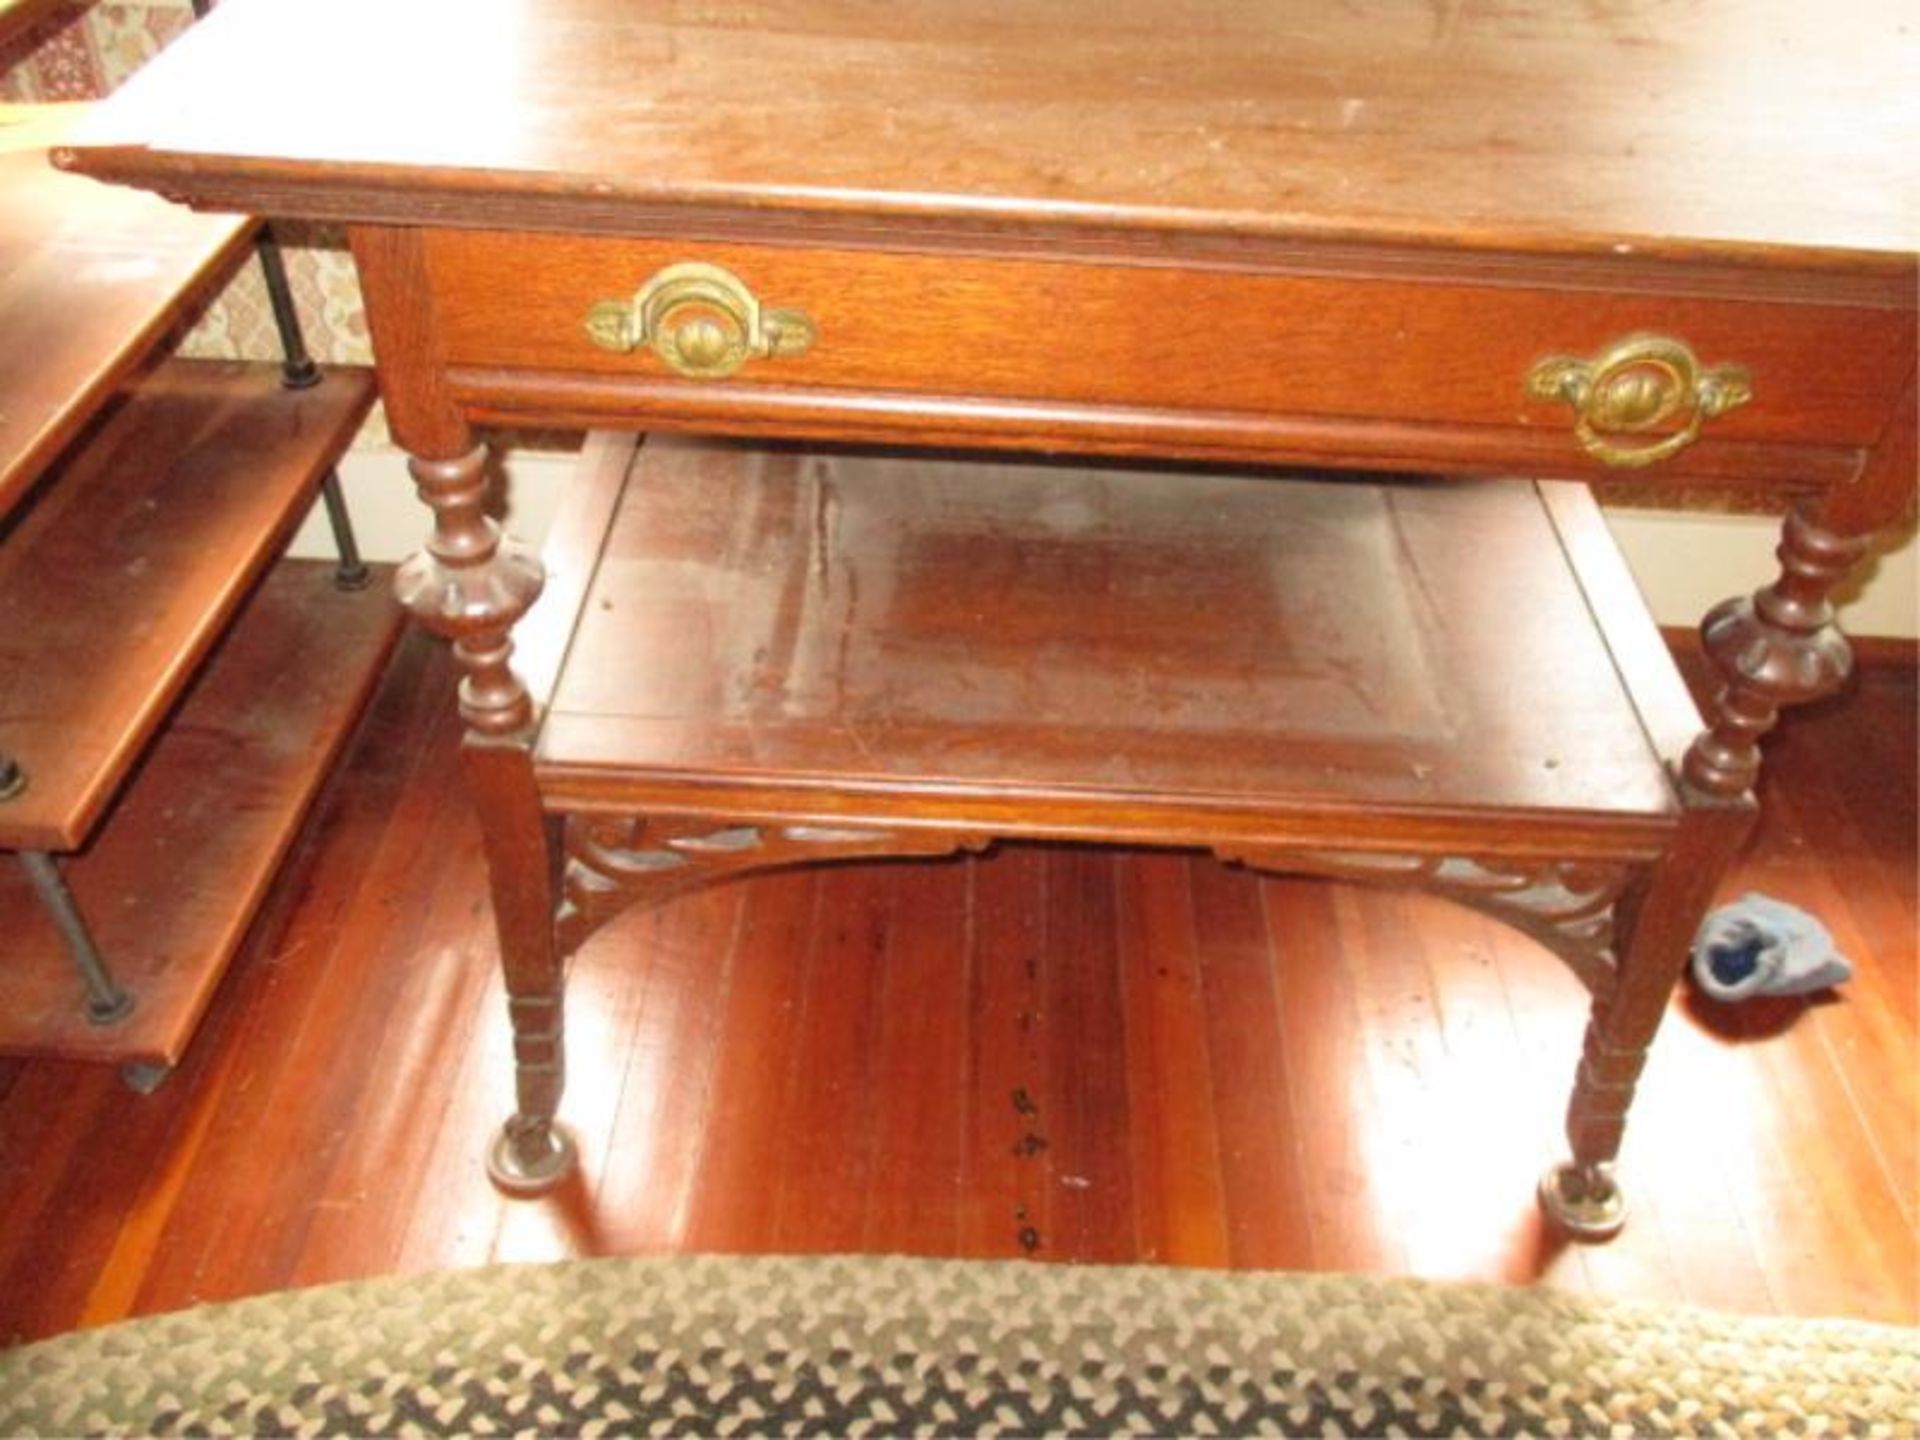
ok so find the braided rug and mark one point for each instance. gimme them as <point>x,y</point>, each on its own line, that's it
<point>849,1346</point>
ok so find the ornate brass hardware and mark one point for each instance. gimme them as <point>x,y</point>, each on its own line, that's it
<point>701,320</point>
<point>1642,385</point>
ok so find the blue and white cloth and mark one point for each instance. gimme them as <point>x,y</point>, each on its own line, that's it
<point>1762,946</point>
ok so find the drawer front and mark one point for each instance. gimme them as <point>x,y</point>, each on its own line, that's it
<point>1161,337</point>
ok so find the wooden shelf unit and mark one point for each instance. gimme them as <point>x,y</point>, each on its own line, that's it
<point>141,502</point>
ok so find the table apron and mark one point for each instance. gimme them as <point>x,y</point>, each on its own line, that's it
<point>1165,354</point>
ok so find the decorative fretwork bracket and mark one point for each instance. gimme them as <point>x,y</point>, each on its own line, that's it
<point>1571,907</point>
<point>614,862</point>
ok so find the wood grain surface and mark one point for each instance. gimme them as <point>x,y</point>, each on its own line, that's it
<point>1725,127</point>
<point>125,573</point>
<point>172,882</point>
<point>90,277</point>
<point>1176,338</point>
<point>1380,1076</point>
<point>1063,651</point>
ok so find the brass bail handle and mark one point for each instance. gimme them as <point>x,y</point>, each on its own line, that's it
<point>1642,385</point>
<point>701,320</point>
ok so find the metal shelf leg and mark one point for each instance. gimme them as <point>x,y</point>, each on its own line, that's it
<point>351,573</point>
<point>107,1002</point>
<point>299,372</point>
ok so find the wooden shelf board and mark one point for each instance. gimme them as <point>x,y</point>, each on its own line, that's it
<point>122,575</point>
<point>172,883</point>
<point>1058,650</point>
<point>95,275</point>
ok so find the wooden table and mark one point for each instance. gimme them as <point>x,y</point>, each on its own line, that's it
<point>1672,244</point>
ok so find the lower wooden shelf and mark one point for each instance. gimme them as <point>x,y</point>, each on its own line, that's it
<point>173,879</point>
<point>1055,651</point>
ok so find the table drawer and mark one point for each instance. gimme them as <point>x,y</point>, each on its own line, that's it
<point>1164,337</point>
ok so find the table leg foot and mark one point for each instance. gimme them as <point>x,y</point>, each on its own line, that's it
<point>1584,1201</point>
<point>530,1157</point>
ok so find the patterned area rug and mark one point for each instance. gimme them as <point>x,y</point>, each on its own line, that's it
<point>846,1346</point>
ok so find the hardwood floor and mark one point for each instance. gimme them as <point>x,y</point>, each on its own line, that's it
<point>1074,1054</point>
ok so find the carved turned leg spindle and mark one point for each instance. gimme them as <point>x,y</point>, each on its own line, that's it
<point>471,585</point>
<point>531,1154</point>
<point>1653,932</point>
<point>1777,647</point>
<point>1581,1195</point>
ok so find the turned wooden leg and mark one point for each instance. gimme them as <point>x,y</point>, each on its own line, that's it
<point>1655,932</point>
<point>1777,647</point>
<point>471,584</point>
<point>531,1154</point>
<point>1582,1195</point>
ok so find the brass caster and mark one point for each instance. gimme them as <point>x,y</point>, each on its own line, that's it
<point>1583,1200</point>
<point>517,1173</point>
<point>144,1077</point>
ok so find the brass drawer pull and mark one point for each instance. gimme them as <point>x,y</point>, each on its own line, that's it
<point>701,320</point>
<point>1638,386</point>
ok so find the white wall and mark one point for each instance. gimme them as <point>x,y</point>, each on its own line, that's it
<point>1685,562</point>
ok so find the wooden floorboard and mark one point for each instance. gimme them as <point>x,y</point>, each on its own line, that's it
<point>1002,1178</point>
<point>1073,1053</point>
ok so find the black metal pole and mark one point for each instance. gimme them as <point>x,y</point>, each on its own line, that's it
<point>351,573</point>
<point>298,372</point>
<point>106,1001</point>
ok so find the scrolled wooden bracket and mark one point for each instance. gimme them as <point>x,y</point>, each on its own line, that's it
<point>1571,907</point>
<point>615,862</point>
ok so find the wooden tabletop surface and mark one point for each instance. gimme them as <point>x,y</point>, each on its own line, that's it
<point>1743,129</point>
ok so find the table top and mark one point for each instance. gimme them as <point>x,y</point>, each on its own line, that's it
<point>1744,130</point>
